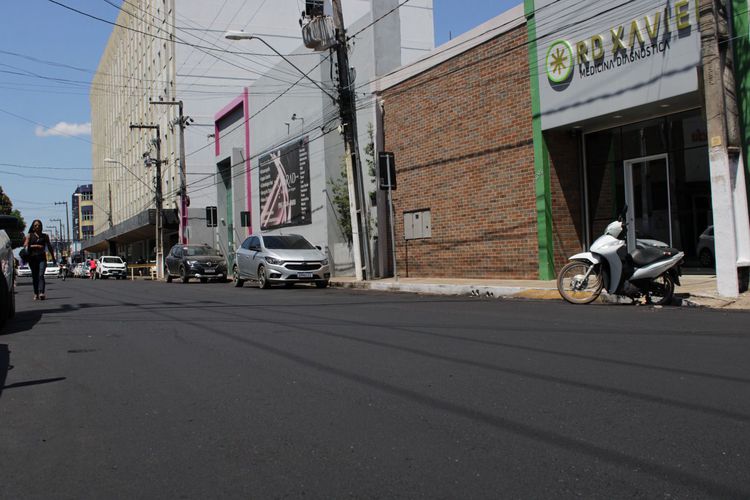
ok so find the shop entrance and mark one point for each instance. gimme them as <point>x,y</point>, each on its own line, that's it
<point>648,196</point>
<point>659,168</point>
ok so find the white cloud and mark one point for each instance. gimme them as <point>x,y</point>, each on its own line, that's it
<point>64,129</point>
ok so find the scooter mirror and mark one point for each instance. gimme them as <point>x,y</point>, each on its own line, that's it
<point>623,214</point>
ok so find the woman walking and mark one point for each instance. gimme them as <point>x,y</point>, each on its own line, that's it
<point>37,244</point>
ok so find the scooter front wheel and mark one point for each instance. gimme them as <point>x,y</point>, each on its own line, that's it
<point>580,282</point>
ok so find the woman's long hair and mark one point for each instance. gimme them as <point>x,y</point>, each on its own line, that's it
<point>41,226</point>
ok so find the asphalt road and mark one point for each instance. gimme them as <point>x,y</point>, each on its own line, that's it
<point>119,389</point>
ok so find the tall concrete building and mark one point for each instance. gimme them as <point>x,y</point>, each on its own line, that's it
<point>82,210</point>
<point>175,50</point>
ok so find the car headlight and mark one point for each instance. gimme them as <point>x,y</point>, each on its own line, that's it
<point>191,262</point>
<point>275,262</point>
<point>324,262</point>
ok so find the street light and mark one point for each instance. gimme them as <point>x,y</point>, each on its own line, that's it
<point>112,160</point>
<point>241,35</point>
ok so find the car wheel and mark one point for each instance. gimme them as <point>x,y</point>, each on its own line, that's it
<point>706,259</point>
<point>204,280</point>
<point>262,278</point>
<point>321,284</point>
<point>184,275</point>
<point>236,277</point>
<point>167,275</point>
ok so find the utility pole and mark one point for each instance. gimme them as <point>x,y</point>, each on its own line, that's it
<point>182,121</point>
<point>59,233</point>
<point>348,114</point>
<point>67,221</point>
<point>728,195</point>
<point>157,197</point>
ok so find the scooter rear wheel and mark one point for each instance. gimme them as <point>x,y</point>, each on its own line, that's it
<point>661,290</point>
<point>576,289</point>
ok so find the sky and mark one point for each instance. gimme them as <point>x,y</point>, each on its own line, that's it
<point>48,56</point>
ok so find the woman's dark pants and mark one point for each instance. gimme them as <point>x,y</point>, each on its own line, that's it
<point>37,275</point>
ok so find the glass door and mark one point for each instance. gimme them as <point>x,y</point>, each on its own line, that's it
<point>648,195</point>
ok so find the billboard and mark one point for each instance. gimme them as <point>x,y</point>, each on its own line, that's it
<point>596,57</point>
<point>285,186</point>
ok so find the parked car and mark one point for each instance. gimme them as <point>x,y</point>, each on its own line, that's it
<point>272,259</point>
<point>81,270</point>
<point>705,247</point>
<point>52,270</point>
<point>194,261</point>
<point>7,270</point>
<point>111,265</point>
<point>24,271</point>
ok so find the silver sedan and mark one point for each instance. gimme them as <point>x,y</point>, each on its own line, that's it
<point>273,259</point>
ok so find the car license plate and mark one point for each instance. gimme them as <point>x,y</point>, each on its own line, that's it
<point>305,275</point>
<point>209,271</point>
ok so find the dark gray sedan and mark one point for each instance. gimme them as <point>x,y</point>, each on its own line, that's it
<point>287,259</point>
<point>194,261</point>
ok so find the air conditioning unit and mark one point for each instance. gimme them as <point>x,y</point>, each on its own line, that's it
<point>319,34</point>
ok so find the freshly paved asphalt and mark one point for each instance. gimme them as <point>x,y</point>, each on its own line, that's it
<point>115,389</point>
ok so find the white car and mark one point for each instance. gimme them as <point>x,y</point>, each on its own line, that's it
<point>111,265</point>
<point>24,271</point>
<point>52,271</point>
<point>81,270</point>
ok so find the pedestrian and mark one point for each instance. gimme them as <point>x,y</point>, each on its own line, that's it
<point>37,244</point>
<point>92,269</point>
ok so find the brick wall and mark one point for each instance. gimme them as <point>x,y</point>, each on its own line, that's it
<point>462,136</point>
<point>566,193</point>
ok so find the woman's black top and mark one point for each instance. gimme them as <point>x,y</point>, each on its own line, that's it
<point>39,239</point>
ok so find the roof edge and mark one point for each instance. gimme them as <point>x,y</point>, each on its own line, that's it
<point>496,26</point>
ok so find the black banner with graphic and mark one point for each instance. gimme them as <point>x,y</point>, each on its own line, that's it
<point>285,186</point>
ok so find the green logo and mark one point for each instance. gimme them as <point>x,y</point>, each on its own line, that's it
<point>559,61</point>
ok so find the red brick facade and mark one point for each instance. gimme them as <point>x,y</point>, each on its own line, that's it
<point>566,194</point>
<point>462,136</point>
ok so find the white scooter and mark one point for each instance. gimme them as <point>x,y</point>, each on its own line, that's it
<point>650,271</point>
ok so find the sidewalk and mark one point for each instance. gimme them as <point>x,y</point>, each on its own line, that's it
<point>695,291</point>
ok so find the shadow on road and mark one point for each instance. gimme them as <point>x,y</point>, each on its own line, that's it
<point>4,365</point>
<point>22,321</point>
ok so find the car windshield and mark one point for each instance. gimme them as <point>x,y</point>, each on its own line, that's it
<point>111,260</point>
<point>193,251</point>
<point>290,242</point>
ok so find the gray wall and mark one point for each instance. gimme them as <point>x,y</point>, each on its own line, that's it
<point>658,69</point>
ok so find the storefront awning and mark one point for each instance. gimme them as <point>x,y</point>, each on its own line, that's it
<point>138,228</point>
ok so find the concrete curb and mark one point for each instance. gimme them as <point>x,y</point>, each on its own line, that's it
<point>515,292</point>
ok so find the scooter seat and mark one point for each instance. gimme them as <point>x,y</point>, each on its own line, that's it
<point>649,255</point>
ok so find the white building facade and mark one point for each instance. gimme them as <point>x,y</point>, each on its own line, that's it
<point>175,50</point>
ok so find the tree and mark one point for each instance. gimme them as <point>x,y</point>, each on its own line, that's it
<point>6,208</point>
<point>340,190</point>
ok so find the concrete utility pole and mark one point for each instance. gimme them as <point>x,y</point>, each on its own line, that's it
<point>59,233</point>
<point>729,198</point>
<point>183,122</point>
<point>67,222</point>
<point>348,113</point>
<point>157,198</point>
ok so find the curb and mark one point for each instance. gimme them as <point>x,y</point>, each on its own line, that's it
<point>507,292</point>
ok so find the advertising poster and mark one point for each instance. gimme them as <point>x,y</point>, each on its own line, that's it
<point>285,186</point>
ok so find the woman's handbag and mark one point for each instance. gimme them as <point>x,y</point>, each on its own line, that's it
<point>24,253</point>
